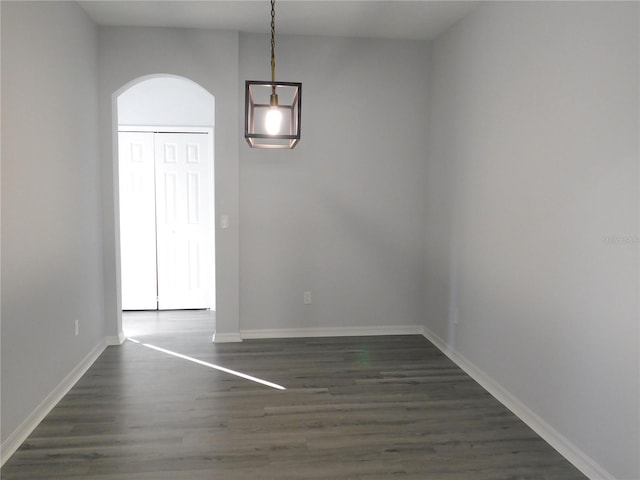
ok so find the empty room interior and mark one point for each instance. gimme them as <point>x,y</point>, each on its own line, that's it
<point>439,281</point>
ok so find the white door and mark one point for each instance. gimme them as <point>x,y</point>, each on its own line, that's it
<point>184,203</point>
<point>137,220</point>
<point>166,221</point>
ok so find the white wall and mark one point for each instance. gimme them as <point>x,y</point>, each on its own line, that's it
<point>51,232</point>
<point>209,58</point>
<point>532,183</point>
<point>341,215</point>
<point>166,101</point>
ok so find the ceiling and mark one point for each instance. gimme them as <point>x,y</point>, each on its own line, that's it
<point>415,20</point>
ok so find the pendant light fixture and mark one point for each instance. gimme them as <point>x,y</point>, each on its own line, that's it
<point>272,109</point>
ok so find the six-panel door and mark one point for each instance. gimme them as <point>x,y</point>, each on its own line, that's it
<point>167,245</point>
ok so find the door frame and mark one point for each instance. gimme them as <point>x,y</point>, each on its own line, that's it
<point>227,175</point>
<point>210,132</point>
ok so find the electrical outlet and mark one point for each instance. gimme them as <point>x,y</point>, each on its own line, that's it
<point>77,324</point>
<point>307,298</point>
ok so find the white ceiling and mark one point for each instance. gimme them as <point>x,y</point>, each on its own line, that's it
<point>416,20</point>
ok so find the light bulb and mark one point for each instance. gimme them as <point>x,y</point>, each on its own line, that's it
<point>273,120</point>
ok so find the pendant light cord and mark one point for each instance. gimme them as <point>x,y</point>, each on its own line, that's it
<point>273,41</point>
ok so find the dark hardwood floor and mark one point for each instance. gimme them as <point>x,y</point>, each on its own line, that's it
<point>362,408</point>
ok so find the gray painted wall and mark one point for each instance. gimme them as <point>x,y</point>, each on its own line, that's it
<point>341,215</point>
<point>51,233</point>
<point>516,203</point>
<point>532,190</point>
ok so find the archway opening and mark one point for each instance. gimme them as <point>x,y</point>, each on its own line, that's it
<point>165,174</point>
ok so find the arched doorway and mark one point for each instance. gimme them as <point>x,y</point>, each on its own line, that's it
<point>165,131</point>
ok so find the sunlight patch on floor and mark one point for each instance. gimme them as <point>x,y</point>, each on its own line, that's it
<point>210,365</point>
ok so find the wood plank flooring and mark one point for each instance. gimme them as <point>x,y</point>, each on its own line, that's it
<point>361,408</point>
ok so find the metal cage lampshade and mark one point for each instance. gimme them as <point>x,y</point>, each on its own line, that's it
<point>272,109</point>
<point>266,99</point>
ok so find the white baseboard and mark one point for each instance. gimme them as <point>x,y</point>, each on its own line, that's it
<point>20,434</point>
<point>333,332</point>
<point>318,332</point>
<point>568,450</point>
<point>116,340</point>
<point>226,337</point>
